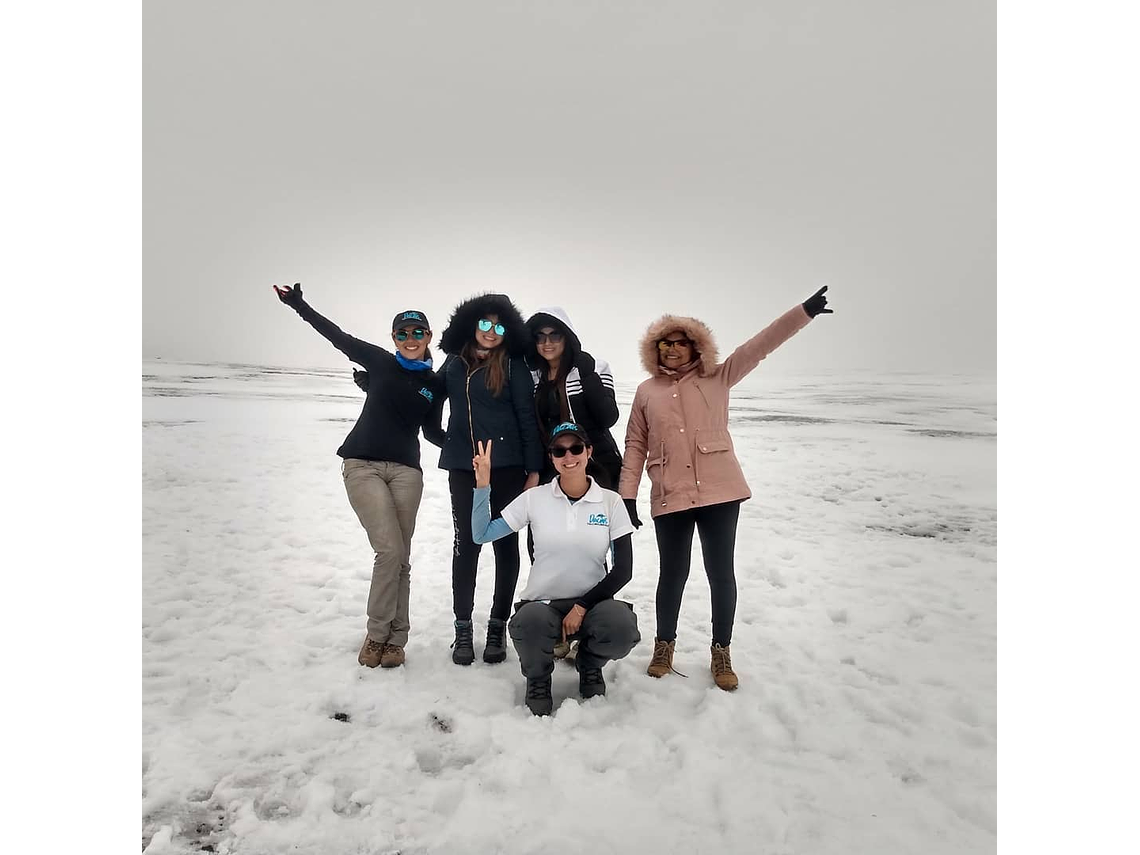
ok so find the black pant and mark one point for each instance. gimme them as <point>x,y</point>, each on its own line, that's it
<point>716,525</point>
<point>608,631</point>
<point>506,484</point>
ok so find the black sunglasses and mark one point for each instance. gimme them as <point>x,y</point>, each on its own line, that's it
<point>486,325</point>
<point>552,337</point>
<point>418,334</point>
<point>669,344</point>
<point>562,450</point>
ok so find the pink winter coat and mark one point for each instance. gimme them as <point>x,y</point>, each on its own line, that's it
<point>678,427</point>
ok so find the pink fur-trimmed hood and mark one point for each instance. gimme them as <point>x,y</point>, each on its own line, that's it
<point>703,342</point>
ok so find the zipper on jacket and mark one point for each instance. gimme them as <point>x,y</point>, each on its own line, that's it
<point>467,392</point>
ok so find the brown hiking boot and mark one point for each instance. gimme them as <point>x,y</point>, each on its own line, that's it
<point>722,671</point>
<point>392,656</point>
<point>662,661</point>
<point>561,648</point>
<point>370,653</point>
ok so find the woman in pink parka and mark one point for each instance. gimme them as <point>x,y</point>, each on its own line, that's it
<point>678,434</point>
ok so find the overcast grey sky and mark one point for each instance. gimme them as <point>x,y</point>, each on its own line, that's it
<point>621,159</point>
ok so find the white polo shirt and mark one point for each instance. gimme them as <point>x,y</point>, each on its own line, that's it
<point>571,539</point>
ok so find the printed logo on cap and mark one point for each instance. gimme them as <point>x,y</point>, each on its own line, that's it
<point>564,427</point>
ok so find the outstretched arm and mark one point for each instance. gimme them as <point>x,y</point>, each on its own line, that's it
<point>360,352</point>
<point>748,355</point>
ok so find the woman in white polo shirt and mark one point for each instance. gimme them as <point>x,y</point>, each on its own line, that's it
<point>570,591</point>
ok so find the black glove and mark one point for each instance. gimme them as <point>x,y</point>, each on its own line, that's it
<point>360,378</point>
<point>584,362</point>
<point>291,297</point>
<point>631,506</point>
<point>814,305</point>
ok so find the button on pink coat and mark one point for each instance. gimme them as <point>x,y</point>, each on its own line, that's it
<point>678,427</point>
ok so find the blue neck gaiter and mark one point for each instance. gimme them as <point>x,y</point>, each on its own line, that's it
<point>413,364</point>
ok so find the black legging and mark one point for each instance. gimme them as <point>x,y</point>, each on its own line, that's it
<point>716,525</point>
<point>506,484</point>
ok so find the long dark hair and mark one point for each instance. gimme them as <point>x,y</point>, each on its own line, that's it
<point>565,362</point>
<point>496,364</point>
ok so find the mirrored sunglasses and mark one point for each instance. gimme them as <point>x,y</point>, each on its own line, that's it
<point>418,334</point>
<point>486,326</point>
<point>562,450</point>
<point>552,337</point>
<point>667,344</point>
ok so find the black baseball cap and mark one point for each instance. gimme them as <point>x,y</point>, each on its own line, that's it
<point>410,318</point>
<point>568,429</point>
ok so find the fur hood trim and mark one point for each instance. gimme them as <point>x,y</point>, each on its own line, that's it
<point>461,324</point>
<point>701,336</point>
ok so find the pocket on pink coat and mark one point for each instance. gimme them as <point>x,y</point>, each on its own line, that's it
<point>713,441</point>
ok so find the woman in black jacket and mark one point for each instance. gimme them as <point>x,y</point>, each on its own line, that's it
<point>381,468</point>
<point>572,386</point>
<point>491,396</point>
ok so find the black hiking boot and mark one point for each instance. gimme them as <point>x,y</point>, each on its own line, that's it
<point>462,649</point>
<point>591,683</point>
<point>495,651</point>
<point>538,699</point>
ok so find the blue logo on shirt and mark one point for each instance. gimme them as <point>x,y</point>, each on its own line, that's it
<point>598,519</point>
<point>426,392</point>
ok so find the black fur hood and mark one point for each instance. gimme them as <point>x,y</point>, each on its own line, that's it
<point>461,324</point>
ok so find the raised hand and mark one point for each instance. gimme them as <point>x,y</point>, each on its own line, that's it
<point>481,463</point>
<point>816,304</point>
<point>360,378</point>
<point>291,297</point>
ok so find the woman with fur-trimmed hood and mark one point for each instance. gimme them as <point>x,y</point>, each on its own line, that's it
<point>491,396</point>
<point>678,434</point>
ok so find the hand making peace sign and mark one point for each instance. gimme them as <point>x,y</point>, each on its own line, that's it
<point>482,465</point>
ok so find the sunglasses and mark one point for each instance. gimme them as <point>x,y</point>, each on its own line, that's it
<point>418,334</point>
<point>562,450</point>
<point>552,337</point>
<point>669,344</point>
<point>486,326</point>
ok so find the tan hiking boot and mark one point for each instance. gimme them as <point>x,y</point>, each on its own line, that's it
<point>392,656</point>
<point>370,653</point>
<point>662,661</point>
<point>561,649</point>
<point>722,671</point>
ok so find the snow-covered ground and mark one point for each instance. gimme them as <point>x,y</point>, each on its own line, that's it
<point>865,642</point>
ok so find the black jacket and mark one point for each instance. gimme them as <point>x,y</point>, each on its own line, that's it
<point>476,414</point>
<point>399,401</point>
<point>590,398</point>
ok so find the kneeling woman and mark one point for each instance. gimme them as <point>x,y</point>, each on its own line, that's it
<point>570,593</point>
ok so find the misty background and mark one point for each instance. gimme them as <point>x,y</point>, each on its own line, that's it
<point>620,159</point>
